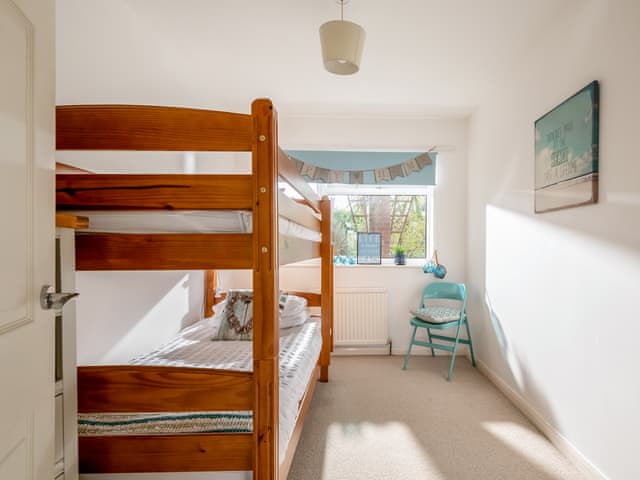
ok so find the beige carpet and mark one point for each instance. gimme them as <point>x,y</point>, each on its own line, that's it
<point>374,421</point>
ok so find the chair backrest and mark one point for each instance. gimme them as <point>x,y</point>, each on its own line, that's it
<point>446,291</point>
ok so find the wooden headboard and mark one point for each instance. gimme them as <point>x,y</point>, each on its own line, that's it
<point>211,299</point>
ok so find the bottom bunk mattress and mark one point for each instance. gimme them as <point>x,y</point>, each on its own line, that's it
<point>299,352</point>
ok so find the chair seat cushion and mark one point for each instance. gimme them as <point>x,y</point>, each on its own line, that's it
<point>436,314</point>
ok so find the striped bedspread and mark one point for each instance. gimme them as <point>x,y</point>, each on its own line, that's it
<point>299,352</point>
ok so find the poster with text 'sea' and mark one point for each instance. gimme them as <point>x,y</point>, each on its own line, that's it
<point>566,153</point>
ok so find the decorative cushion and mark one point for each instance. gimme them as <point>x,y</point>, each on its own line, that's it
<point>236,317</point>
<point>436,314</point>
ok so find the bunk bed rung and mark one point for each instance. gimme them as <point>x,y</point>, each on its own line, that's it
<point>137,127</point>
<point>163,192</point>
<point>171,251</point>
<point>144,388</point>
<point>166,453</point>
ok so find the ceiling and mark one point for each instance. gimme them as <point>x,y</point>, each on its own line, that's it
<point>421,57</point>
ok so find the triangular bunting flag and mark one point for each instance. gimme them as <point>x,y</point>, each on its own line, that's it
<point>356,176</point>
<point>336,176</point>
<point>308,170</point>
<point>322,174</point>
<point>382,174</point>
<point>411,166</point>
<point>396,171</point>
<point>424,160</point>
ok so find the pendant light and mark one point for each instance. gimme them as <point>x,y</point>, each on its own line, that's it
<point>342,43</point>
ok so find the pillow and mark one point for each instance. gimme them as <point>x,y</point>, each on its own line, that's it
<point>293,305</point>
<point>236,316</point>
<point>436,314</point>
<point>219,307</point>
<point>293,312</point>
<point>289,321</point>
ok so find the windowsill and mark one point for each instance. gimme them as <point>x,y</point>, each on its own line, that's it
<point>386,263</point>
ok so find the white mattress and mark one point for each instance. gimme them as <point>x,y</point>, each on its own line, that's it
<point>299,353</point>
<point>184,221</point>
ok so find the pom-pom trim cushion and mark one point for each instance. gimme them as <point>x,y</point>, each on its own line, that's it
<point>236,317</point>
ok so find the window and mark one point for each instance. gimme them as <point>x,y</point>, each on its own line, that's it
<point>400,214</point>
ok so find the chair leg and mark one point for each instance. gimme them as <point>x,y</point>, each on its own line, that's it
<point>406,358</point>
<point>453,353</point>
<point>473,358</point>
<point>433,352</point>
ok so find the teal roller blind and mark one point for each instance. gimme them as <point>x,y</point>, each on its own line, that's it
<point>383,168</point>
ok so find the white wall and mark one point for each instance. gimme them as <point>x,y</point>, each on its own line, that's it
<point>554,302</point>
<point>123,314</point>
<point>105,161</point>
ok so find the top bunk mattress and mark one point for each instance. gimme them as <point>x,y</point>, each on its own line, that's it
<point>185,221</point>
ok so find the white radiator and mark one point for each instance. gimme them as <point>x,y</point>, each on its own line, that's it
<point>360,317</point>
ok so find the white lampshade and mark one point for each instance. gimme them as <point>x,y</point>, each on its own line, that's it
<point>342,43</point>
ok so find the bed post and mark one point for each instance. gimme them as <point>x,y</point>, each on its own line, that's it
<point>327,270</point>
<point>266,340</point>
<point>210,286</point>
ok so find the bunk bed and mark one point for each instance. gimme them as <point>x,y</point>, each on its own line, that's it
<point>150,388</point>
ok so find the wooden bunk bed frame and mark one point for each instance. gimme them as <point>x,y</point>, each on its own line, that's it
<point>116,389</point>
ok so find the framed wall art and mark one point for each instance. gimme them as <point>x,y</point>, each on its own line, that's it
<point>566,152</point>
<point>369,249</point>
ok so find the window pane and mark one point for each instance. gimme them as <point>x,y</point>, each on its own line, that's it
<point>401,219</point>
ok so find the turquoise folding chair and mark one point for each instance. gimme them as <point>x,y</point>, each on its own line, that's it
<point>435,317</point>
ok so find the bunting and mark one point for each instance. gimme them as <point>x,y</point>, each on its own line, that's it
<point>356,176</point>
<point>384,174</point>
<point>336,176</point>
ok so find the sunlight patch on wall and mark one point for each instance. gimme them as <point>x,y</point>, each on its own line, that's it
<point>174,304</point>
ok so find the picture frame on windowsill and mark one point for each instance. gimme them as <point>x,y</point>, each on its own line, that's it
<point>369,248</point>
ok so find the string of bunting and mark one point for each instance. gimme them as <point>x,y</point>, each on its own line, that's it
<point>383,174</point>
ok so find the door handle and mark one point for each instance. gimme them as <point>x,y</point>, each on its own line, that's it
<point>52,300</point>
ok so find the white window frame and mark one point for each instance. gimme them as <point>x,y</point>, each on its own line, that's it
<point>358,189</point>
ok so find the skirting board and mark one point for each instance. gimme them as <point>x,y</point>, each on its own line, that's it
<point>342,351</point>
<point>362,350</point>
<point>581,462</point>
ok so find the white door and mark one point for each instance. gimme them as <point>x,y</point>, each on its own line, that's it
<point>27,237</point>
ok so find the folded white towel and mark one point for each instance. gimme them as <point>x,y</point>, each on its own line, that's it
<point>288,321</point>
<point>294,305</point>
